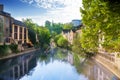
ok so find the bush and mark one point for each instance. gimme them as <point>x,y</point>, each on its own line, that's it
<point>62,42</point>
<point>4,50</point>
<point>14,48</point>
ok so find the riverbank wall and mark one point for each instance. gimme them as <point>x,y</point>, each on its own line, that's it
<point>30,50</point>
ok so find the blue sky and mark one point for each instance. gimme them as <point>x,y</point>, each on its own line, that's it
<point>41,10</point>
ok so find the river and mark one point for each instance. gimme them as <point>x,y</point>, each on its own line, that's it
<point>58,64</point>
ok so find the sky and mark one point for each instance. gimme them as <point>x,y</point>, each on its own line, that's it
<point>39,11</point>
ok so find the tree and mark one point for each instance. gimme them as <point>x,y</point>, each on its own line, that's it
<point>47,24</point>
<point>61,41</point>
<point>54,27</point>
<point>31,30</point>
<point>44,37</point>
<point>38,35</point>
<point>77,48</point>
<point>100,19</point>
<point>67,26</point>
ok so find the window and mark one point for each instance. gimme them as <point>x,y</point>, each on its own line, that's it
<point>7,26</point>
<point>15,35</point>
<point>24,33</point>
<point>20,36</point>
<point>20,29</point>
<point>7,40</point>
<point>15,29</point>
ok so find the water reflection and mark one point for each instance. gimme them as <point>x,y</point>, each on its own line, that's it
<point>14,69</point>
<point>56,65</point>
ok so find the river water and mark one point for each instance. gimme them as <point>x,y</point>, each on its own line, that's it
<point>59,64</point>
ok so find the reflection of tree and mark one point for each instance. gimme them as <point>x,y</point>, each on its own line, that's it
<point>84,66</point>
<point>79,63</point>
<point>60,55</point>
<point>43,58</point>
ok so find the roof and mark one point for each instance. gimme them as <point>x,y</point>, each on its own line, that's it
<point>5,14</point>
<point>66,30</point>
<point>74,29</point>
<point>20,23</point>
<point>76,20</point>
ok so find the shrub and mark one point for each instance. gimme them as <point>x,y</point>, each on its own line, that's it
<point>62,42</point>
<point>14,48</point>
<point>4,50</point>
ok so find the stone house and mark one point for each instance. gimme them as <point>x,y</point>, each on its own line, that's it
<point>11,30</point>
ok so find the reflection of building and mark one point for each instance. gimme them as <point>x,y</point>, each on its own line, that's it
<point>11,30</point>
<point>98,72</point>
<point>70,58</point>
<point>16,70</point>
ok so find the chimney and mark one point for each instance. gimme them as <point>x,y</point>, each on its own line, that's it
<point>1,7</point>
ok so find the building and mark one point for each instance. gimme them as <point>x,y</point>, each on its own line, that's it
<point>11,30</point>
<point>71,34</point>
<point>76,22</point>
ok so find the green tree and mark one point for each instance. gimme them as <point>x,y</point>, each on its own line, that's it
<point>61,41</point>
<point>44,37</point>
<point>31,30</point>
<point>38,35</point>
<point>54,27</point>
<point>47,24</point>
<point>100,19</point>
<point>67,26</point>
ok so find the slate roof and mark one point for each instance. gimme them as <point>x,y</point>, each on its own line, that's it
<point>5,14</point>
<point>20,23</point>
<point>66,30</point>
<point>12,20</point>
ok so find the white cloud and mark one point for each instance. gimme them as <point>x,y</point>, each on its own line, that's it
<point>58,10</point>
<point>45,3</point>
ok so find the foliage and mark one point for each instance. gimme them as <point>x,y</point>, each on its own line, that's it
<point>14,48</point>
<point>38,35</point>
<point>67,26</point>
<point>112,46</point>
<point>56,38</point>
<point>44,36</point>
<point>4,50</point>
<point>100,18</point>
<point>31,30</point>
<point>54,27</point>
<point>47,24</point>
<point>77,48</point>
<point>32,36</point>
<point>61,41</point>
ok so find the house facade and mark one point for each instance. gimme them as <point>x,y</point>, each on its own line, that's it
<point>11,30</point>
<point>69,35</point>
